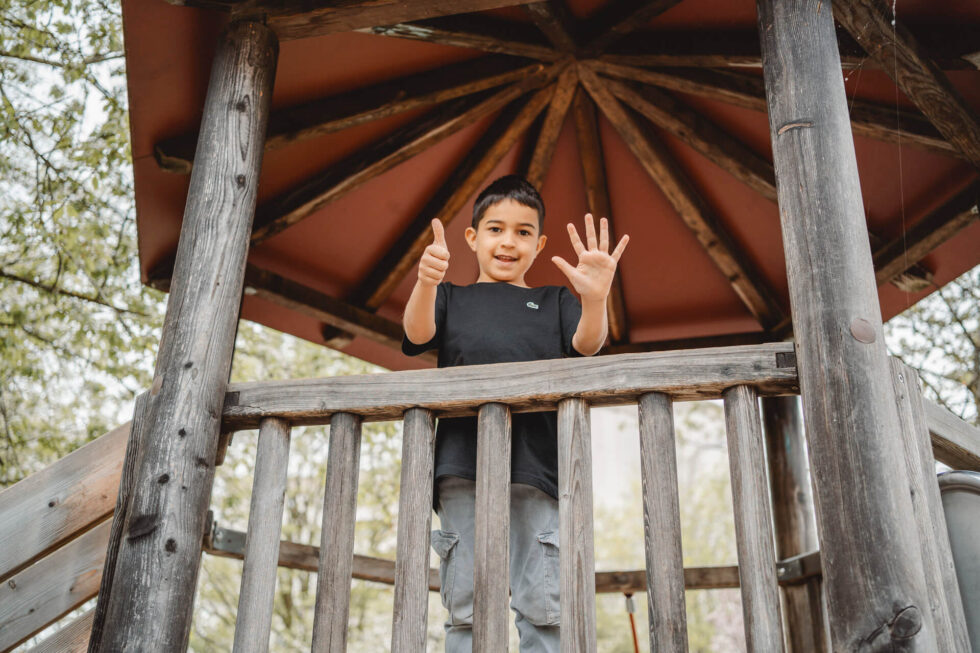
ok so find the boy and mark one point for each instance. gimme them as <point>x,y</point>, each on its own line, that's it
<point>500,319</point>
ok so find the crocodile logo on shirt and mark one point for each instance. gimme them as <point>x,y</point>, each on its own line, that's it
<point>532,305</point>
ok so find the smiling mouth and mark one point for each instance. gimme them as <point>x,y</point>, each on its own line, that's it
<point>505,259</point>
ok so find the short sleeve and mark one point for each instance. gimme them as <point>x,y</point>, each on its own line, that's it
<point>409,348</point>
<point>571,312</point>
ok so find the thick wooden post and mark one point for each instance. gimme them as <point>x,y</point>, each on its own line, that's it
<point>793,520</point>
<point>872,569</point>
<point>152,597</point>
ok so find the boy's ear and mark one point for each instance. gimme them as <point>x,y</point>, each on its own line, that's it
<point>541,241</point>
<point>470,235</point>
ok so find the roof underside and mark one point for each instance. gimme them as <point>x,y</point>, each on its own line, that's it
<point>343,253</point>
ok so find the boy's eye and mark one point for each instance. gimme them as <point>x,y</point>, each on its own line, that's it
<point>525,232</point>
<point>494,229</point>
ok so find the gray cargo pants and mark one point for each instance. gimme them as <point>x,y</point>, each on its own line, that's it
<point>534,579</point>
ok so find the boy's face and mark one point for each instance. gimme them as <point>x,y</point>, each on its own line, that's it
<point>506,242</point>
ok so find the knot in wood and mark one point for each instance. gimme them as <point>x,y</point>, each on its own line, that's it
<point>906,623</point>
<point>862,331</point>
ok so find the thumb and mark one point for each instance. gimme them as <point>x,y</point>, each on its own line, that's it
<point>439,232</point>
<point>564,266</point>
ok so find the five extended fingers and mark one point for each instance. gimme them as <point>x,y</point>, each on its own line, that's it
<point>601,244</point>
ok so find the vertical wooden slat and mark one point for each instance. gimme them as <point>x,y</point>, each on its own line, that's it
<point>414,520</point>
<point>491,582</point>
<point>262,539</point>
<point>945,601</point>
<point>337,534</point>
<point>576,545</point>
<point>662,525</point>
<point>796,530</point>
<point>753,523</point>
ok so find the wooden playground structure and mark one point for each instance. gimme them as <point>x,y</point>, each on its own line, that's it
<point>127,517</point>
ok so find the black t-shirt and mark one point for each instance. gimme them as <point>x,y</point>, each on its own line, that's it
<point>501,323</point>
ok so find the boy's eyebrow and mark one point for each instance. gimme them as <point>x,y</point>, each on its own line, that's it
<point>522,224</point>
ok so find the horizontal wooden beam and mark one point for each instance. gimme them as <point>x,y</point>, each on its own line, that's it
<point>897,256</point>
<point>319,306</point>
<point>477,33</point>
<point>60,502</point>
<point>278,214</point>
<point>703,342</point>
<point>954,442</point>
<point>724,150</point>
<point>71,638</point>
<point>869,119</point>
<point>355,107</point>
<point>617,18</point>
<point>690,205</point>
<point>913,70</point>
<point>532,386</point>
<point>951,47</point>
<point>463,183</point>
<point>47,590</point>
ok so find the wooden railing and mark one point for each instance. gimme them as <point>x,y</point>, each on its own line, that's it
<point>54,526</point>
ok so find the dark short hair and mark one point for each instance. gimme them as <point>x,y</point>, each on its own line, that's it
<point>512,187</point>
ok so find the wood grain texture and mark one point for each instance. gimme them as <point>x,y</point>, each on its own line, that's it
<point>793,518</point>
<point>351,108</point>
<point>536,385</point>
<point>71,638</point>
<point>135,446</point>
<point>337,535</point>
<point>491,582</point>
<point>152,596</point>
<point>477,33</point>
<point>875,588</point>
<point>954,442</point>
<point>689,204</point>
<point>414,520</point>
<point>870,119</point>
<point>547,136</point>
<point>332,183</point>
<point>896,256</point>
<point>945,601</point>
<point>576,541</point>
<point>662,525</point>
<point>715,143</point>
<point>753,522</point>
<point>555,22</point>
<point>460,187</point>
<point>255,601</point>
<point>892,46</point>
<point>50,588</point>
<point>62,501</point>
<point>598,203</point>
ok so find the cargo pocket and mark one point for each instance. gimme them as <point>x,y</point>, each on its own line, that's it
<point>444,544</point>
<point>551,567</point>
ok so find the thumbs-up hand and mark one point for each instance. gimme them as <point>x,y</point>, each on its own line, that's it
<point>435,258</point>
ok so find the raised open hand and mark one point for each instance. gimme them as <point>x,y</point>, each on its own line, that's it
<point>596,267</point>
<point>435,258</point>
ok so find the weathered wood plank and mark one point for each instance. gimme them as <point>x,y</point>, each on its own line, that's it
<point>135,446</point>
<point>954,442</point>
<point>700,342</point>
<point>547,137</point>
<point>536,385</point>
<point>255,601</point>
<point>167,515</point>
<point>930,521</point>
<point>477,33</point>
<point>793,518</point>
<point>415,517</point>
<point>887,123</point>
<point>893,258</point>
<point>662,525</point>
<point>365,164</point>
<point>491,581</point>
<point>52,587</point>
<point>462,184</point>
<point>72,638</point>
<point>576,542</point>
<point>335,112</point>
<point>620,17</point>
<point>337,535</point>
<point>753,521</point>
<point>899,54</point>
<point>859,476</point>
<point>689,204</point>
<point>727,152</point>
<point>597,200</point>
<point>555,22</point>
<point>59,503</point>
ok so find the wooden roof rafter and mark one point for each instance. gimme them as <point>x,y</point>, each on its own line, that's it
<point>542,148</point>
<point>620,18</point>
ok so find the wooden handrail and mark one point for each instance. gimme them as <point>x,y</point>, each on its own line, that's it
<point>955,442</point>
